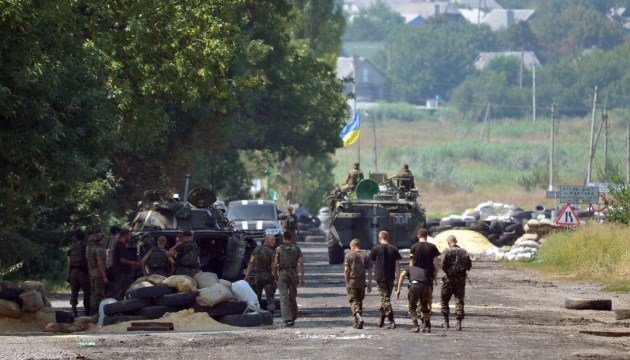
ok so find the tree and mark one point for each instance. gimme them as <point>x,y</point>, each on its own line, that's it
<point>374,23</point>
<point>619,203</point>
<point>518,37</point>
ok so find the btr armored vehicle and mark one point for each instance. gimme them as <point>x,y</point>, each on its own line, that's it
<point>221,247</point>
<point>374,205</point>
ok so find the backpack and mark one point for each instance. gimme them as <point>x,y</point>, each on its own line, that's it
<point>460,260</point>
<point>189,255</point>
<point>289,256</point>
<point>78,257</point>
<point>158,260</point>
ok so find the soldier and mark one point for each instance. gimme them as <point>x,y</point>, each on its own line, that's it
<point>157,261</point>
<point>425,255</point>
<point>290,224</point>
<point>97,260</point>
<point>186,255</point>
<point>456,263</point>
<point>78,273</point>
<point>285,272</point>
<point>420,296</point>
<point>125,264</point>
<point>356,263</point>
<point>386,260</point>
<point>405,178</point>
<point>354,176</point>
<point>260,262</point>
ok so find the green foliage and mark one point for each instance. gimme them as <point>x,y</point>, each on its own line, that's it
<point>374,23</point>
<point>619,202</point>
<point>400,111</point>
<point>537,178</point>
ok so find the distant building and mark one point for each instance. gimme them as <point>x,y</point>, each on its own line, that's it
<point>529,58</point>
<point>370,83</point>
<point>427,9</point>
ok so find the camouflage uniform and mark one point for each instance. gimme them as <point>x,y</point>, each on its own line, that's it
<point>158,262</point>
<point>187,259</point>
<point>287,256</point>
<point>94,252</point>
<point>354,176</point>
<point>405,179</point>
<point>358,262</point>
<point>79,277</point>
<point>262,258</point>
<point>291,224</point>
<point>456,263</point>
<point>420,293</point>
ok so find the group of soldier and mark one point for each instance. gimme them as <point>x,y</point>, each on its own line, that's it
<point>91,270</point>
<point>421,274</point>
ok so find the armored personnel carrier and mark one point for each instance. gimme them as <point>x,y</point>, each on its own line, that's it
<point>221,248</point>
<point>375,204</point>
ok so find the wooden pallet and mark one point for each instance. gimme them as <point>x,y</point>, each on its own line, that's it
<point>151,326</point>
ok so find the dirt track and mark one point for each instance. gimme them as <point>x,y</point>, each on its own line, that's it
<point>509,315</point>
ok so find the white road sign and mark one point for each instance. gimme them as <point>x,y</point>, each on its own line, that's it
<point>568,216</point>
<point>579,194</point>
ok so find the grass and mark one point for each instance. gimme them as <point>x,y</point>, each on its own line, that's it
<point>455,170</point>
<point>593,253</point>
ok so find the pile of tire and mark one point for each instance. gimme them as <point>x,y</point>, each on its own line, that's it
<point>499,232</point>
<point>153,302</point>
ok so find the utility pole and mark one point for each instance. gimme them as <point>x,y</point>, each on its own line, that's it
<point>520,73</point>
<point>534,92</point>
<point>354,107</point>
<point>552,139</point>
<point>371,114</point>
<point>485,131</point>
<point>591,152</point>
<point>605,123</point>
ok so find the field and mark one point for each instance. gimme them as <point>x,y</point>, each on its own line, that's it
<point>455,169</point>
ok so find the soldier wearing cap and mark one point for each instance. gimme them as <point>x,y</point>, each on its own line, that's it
<point>285,271</point>
<point>185,252</point>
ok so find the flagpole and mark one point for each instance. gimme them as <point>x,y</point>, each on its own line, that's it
<point>354,100</point>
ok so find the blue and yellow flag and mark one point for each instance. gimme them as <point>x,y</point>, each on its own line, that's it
<point>350,133</point>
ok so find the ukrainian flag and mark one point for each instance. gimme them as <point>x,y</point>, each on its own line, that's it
<point>350,133</point>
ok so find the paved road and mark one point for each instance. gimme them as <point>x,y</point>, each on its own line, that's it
<point>510,315</point>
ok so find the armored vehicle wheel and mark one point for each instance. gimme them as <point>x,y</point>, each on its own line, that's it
<point>335,254</point>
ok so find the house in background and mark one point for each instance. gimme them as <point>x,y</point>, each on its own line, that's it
<point>426,9</point>
<point>528,57</point>
<point>370,84</point>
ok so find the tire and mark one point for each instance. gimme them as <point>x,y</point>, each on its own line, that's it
<point>479,227</point>
<point>156,312</point>
<point>177,299</point>
<point>263,304</point>
<point>266,317</point>
<point>588,304</point>
<point>429,224</point>
<point>242,320</point>
<point>12,294</point>
<point>495,228</point>
<point>117,319</point>
<point>494,239</point>
<point>63,317</point>
<point>151,292</point>
<point>507,238</point>
<point>127,306</point>
<point>222,309</point>
<point>516,228</point>
<point>335,254</point>
<point>315,239</point>
<point>441,228</point>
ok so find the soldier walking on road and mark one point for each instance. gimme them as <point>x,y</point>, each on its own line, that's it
<point>386,260</point>
<point>78,273</point>
<point>455,265</point>
<point>285,271</point>
<point>260,262</point>
<point>356,263</point>
<point>97,262</point>
<point>420,296</point>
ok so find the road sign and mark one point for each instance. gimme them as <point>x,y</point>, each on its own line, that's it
<point>579,194</point>
<point>568,216</point>
<point>603,187</point>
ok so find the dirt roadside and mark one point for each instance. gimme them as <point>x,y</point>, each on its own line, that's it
<point>510,314</point>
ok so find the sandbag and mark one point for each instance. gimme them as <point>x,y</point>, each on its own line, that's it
<point>139,280</point>
<point>244,292</point>
<point>156,279</point>
<point>45,316</point>
<point>10,309</point>
<point>137,285</point>
<point>213,295</point>
<point>182,283</point>
<point>32,301</point>
<point>37,286</point>
<point>225,283</point>
<point>7,284</point>
<point>206,279</point>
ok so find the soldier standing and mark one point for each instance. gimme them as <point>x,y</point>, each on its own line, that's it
<point>285,271</point>
<point>186,254</point>
<point>157,261</point>
<point>420,296</point>
<point>97,260</point>
<point>456,263</point>
<point>78,273</point>
<point>356,263</point>
<point>260,262</point>
<point>291,222</point>
<point>125,265</point>
<point>386,260</point>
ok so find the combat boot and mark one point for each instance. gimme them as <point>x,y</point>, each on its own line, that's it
<point>426,328</point>
<point>392,324</point>
<point>445,324</point>
<point>382,322</point>
<point>359,320</point>
<point>74,311</point>
<point>415,328</point>
<point>458,326</point>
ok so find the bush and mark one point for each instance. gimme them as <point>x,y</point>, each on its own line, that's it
<point>619,202</point>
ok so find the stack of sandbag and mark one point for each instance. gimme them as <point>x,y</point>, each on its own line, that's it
<point>541,227</point>
<point>525,248</point>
